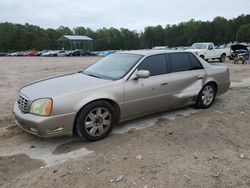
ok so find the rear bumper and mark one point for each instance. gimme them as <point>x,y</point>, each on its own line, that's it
<point>223,87</point>
<point>44,126</point>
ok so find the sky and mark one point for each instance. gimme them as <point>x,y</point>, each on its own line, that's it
<point>132,14</point>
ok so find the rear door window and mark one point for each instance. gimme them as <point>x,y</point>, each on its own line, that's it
<point>156,65</point>
<point>182,61</point>
<point>210,46</point>
<point>195,62</point>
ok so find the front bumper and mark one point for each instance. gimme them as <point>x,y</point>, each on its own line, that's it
<point>44,126</point>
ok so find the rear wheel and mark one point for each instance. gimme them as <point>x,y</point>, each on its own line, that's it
<point>206,96</point>
<point>95,121</point>
<point>202,56</point>
<point>222,58</point>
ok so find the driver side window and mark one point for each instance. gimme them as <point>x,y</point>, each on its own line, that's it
<point>210,46</point>
<point>156,65</point>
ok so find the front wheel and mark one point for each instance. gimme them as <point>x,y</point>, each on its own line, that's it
<point>95,121</point>
<point>206,96</point>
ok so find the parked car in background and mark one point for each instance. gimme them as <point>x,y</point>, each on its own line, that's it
<point>47,53</point>
<point>117,88</point>
<point>3,54</point>
<point>54,53</point>
<point>208,51</point>
<point>160,48</point>
<point>19,53</point>
<point>15,53</point>
<point>31,53</point>
<point>239,50</point>
<point>104,53</point>
<point>41,52</point>
<point>61,53</point>
<point>75,53</point>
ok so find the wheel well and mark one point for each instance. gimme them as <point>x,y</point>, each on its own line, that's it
<point>223,54</point>
<point>215,85</point>
<point>113,103</point>
<point>202,56</point>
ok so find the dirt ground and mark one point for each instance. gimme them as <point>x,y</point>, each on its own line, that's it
<point>186,147</point>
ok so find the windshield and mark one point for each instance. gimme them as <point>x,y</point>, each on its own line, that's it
<point>199,46</point>
<point>114,66</point>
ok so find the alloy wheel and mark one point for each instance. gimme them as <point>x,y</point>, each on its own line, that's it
<point>97,122</point>
<point>207,95</point>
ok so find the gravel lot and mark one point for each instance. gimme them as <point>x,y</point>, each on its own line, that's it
<point>181,148</point>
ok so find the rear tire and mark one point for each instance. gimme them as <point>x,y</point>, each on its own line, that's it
<point>95,121</point>
<point>206,96</point>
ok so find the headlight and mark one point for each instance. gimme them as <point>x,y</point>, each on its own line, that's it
<point>41,107</point>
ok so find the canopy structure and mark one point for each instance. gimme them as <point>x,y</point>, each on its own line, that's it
<point>72,42</point>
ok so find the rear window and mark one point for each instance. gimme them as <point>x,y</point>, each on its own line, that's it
<point>184,62</point>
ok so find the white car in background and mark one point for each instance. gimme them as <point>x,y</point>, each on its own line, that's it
<point>208,51</point>
<point>46,53</point>
<point>62,53</point>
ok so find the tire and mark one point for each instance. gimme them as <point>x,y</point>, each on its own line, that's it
<point>222,58</point>
<point>95,121</point>
<point>206,96</point>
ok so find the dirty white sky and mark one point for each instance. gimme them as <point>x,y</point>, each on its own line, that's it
<point>132,14</point>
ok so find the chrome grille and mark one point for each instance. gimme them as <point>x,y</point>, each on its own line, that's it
<point>23,103</point>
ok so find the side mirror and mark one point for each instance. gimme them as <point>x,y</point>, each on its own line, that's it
<point>142,74</point>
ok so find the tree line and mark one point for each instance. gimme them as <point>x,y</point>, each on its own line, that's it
<point>14,37</point>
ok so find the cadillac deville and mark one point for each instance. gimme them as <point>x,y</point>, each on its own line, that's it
<point>117,88</point>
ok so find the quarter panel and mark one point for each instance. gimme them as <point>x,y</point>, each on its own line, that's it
<point>219,75</point>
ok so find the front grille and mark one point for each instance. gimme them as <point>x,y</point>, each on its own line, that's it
<point>23,103</point>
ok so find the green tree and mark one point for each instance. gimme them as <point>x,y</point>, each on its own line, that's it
<point>243,33</point>
<point>15,37</point>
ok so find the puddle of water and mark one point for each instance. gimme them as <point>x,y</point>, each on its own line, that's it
<point>151,120</point>
<point>43,150</point>
<point>243,83</point>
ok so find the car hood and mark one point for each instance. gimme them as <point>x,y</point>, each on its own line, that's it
<point>238,47</point>
<point>61,85</point>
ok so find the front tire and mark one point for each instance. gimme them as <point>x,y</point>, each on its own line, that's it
<point>95,121</point>
<point>206,96</point>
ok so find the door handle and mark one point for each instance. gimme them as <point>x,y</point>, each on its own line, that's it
<point>200,77</point>
<point>164,83</point>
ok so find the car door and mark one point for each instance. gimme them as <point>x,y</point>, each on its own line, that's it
<point>210,51</point>
<point>186,78</point>
<point>147,95</point>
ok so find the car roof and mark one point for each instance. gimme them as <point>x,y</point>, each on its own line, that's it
<point>151,52</point>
